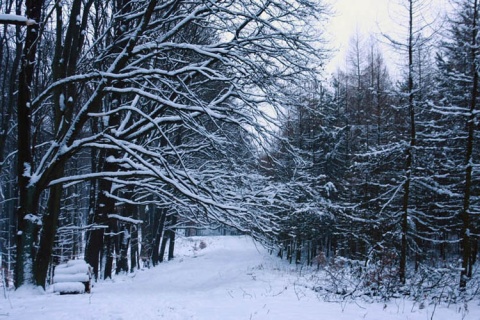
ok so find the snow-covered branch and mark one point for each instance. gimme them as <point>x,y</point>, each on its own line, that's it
<point>16,20</point>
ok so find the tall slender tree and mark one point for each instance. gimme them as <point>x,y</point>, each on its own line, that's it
<point>126,80</point>
<point>458,66</point>
<point>27,221</point>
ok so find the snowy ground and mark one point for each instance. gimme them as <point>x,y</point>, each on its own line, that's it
<point>231,278</point>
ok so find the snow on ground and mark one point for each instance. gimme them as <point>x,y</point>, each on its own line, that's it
<point>232,278</point>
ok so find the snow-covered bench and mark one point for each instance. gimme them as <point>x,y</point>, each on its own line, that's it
<point>72,277</point>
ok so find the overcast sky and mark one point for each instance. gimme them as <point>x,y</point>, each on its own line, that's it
<point>368,17</point>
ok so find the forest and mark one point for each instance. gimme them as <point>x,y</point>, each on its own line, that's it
<point>127,123</point>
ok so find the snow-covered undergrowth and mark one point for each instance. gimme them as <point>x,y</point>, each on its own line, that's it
<point>219,278</point>
<point>344,279</point>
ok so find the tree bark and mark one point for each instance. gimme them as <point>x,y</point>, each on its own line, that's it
<point>8,99</point>
<point>111,246</point>
<point>466,237</point>
<point>123,245</point>
<point>171,243</point>
<point>159,234</point>
<point>409,153</point>
<point>134,252</point>
<point>166,238</point>
<point>28,198</point>
<point>99,218</point>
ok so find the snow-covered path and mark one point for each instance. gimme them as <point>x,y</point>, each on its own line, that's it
<point>230,279</point>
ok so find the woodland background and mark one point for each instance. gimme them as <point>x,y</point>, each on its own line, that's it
<point>124,123</point>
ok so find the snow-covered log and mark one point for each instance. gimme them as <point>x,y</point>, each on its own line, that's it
<point>69,287</point>
<point>73,267</point>
<point>76,277</point>
<point>72,277</point>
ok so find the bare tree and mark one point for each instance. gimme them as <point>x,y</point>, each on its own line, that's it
<point>456,109</point>
<point>126,80</point>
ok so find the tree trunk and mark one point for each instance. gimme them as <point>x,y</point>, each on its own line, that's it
<point>160,223</point>
<point>134,252</point>
<point>409,154</point>
<point>110,247</point>
<point>47,237</point>
<point>165,238</point>
<point>298,250</point>
<point>124,244</point>
<point>28,199</point>
<point>171,243</point>
<point>99,219</point>
<point>466,232</point>
<point>8,99</point>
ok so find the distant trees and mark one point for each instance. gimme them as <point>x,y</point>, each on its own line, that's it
<point>456,109</point>
<point>365,94</point>
<point>398,157</point>
<point>300,164</point>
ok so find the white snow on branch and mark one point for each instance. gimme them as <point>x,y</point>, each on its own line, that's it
<point>125,219</point>
<point>33,219</point>
<point>17,20</point>
<point>82,228</point>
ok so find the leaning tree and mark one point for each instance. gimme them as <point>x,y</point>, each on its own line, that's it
<point>130,84</point>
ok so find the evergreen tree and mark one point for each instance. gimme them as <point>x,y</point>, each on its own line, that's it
<point>458,79</point>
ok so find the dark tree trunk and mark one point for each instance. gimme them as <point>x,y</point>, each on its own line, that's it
<point>64,64</point>
<point>147,229</point>
<point>94,236</point>
<point>124,243</point>
<point>289,251</point>
<point>171,244</point>
<point>165,238</point>
<point>409,154</point>
<point>298,250</point>
<point>161,255</point>
<point>108,254</point>
<point>28,198</point>
<point>466,237</point>
<point>111,246</point>
<point>8,99</point>
<point>93,248</point>
<point>47,237</point>
<point>100,221</point>
<point>8,105</point>
<point>159,231</point>
<point>134,254</point>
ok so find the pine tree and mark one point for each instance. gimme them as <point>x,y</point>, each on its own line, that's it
<point>458,68</point>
